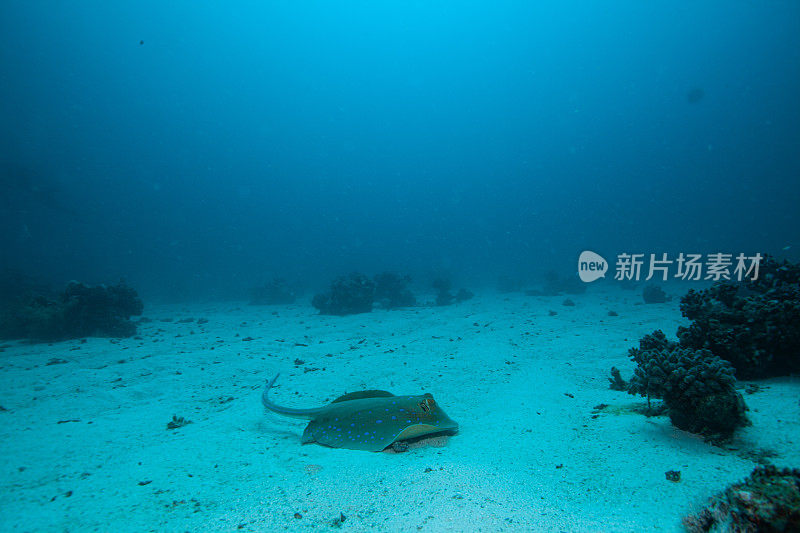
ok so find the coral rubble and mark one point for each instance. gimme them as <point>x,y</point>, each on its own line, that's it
<point>767,501</point>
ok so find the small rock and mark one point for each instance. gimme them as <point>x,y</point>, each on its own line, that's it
<point>177,422</point>
<point>339,520</point>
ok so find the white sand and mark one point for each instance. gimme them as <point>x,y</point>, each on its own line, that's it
<point>528,456</point>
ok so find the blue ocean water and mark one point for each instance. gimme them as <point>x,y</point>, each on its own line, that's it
<point>199,148</point>
<point>214,154</point>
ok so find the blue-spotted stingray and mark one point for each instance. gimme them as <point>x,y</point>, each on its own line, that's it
<point>368,420</point>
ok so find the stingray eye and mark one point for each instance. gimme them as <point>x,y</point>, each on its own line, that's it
<point>424,406</point>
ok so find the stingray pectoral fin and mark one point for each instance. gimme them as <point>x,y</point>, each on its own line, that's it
<point>417,430</point>
<point>360,395</point>
<point>377,442</point>
<point>308,434</point>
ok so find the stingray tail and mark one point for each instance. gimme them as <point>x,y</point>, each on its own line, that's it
<point>306,414</point>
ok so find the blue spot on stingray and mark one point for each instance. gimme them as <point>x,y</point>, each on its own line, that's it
<point>394,417</point>
<point>378,421</point>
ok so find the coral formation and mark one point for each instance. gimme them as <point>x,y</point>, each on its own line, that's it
<point>80,311</point>
<point>653,294</point>
<point>697,387</point>
<point>391,290</point>
<point>443,294</point>
<point>555,285</point>
<point>275,292</point>
<point>768,500</point>
<point>754,324</point>
<point>464,294</point>
<point>445,297</point>
<point>616,381</point>
<point>350,294</point>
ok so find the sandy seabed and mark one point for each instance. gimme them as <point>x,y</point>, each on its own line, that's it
<point>84,444</point>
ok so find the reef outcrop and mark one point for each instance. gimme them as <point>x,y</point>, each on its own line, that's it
<point>350,294</point>
<point>767,501</point>
<point>80,311</point>
<point>444,295</point>
<point>653,294</point>
<point>392,291</point>
<point>755,325</point>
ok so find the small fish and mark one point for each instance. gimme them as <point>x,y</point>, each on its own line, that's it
<point>368,420</point>
<point>787,247</point>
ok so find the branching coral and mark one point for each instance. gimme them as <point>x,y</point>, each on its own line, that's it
<point>697,387</point>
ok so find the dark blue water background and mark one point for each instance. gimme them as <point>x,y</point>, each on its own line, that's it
<point>200,148</point>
